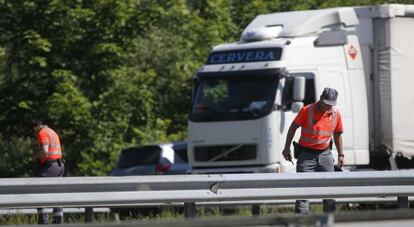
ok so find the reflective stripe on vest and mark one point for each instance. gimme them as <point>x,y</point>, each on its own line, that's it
<point>54,146</point>
<point>316,132</point>
<point>316,141</point>
<point>312,131</point>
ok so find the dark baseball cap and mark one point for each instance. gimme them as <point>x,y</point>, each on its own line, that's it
<point>329,96</point>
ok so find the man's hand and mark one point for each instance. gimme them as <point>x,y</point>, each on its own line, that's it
<point>287,154</point>
<point>341,160</point>
<point>339,148</point>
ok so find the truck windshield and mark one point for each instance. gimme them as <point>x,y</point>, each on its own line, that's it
<point>234,96</point>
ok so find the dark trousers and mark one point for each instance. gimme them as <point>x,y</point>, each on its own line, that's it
<point>50,169</point>
<point>311,161</point>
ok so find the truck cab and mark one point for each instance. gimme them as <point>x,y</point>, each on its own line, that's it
<point>248,93</point>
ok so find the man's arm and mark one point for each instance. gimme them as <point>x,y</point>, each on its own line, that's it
<point>41,152</point>
<point>339,148</point>
<point>287,154</point>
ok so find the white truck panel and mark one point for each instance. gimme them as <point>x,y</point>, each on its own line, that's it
<point>301,23</point>
<point>400,51</point>
<point>225,133</point>
<point>385,33</point>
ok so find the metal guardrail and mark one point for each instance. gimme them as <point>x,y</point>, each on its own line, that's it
<point>72,210</point>
<point>191,189</point>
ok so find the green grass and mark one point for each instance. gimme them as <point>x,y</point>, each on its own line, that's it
<point>18,219</point>
<point>177,213</point>
<point>22,219</point>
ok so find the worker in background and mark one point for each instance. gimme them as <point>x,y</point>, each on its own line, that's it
<point>319,122</point>
<point>48,162</point>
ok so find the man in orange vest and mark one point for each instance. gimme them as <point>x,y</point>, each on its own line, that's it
<point>48,162</point>
<point>319,122</point>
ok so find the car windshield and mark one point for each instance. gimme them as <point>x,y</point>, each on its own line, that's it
<point>182,154</point>
<point>136,156</point>
<point>234,96</point>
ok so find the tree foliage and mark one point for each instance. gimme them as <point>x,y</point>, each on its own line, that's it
<point>107,74</point>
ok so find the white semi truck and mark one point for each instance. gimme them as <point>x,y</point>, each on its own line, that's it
<point>248,92</point>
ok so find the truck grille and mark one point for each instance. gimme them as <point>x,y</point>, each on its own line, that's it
<point>235,152</point>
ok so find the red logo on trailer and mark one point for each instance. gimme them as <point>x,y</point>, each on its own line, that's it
<point>352,52</point>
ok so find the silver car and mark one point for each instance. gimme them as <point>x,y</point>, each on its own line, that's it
<point>168,158</point>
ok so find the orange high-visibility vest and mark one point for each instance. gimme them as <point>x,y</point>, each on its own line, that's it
<point>47,136</point>
<point>317,133</point>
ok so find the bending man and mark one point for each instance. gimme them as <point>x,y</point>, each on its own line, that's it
<point>48,162</point>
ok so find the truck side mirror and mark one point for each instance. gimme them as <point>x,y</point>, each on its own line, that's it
<point>299,89</point>
<point>296,106</point>
<point>298,93</point>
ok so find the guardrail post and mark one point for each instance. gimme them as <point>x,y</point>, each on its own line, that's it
<point>403,202</point>
<point>89,215</point>
<point>189,210</point>
<point>329,205</point>
<point>255,210</point>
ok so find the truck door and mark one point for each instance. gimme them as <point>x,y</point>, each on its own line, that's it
<point>287,114</point>
<point>337,77</point>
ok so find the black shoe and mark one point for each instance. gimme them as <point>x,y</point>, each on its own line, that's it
<point>57,220</point>
<point>41,221</point>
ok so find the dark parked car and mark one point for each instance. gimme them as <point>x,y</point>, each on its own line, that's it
<point>168,158</point>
